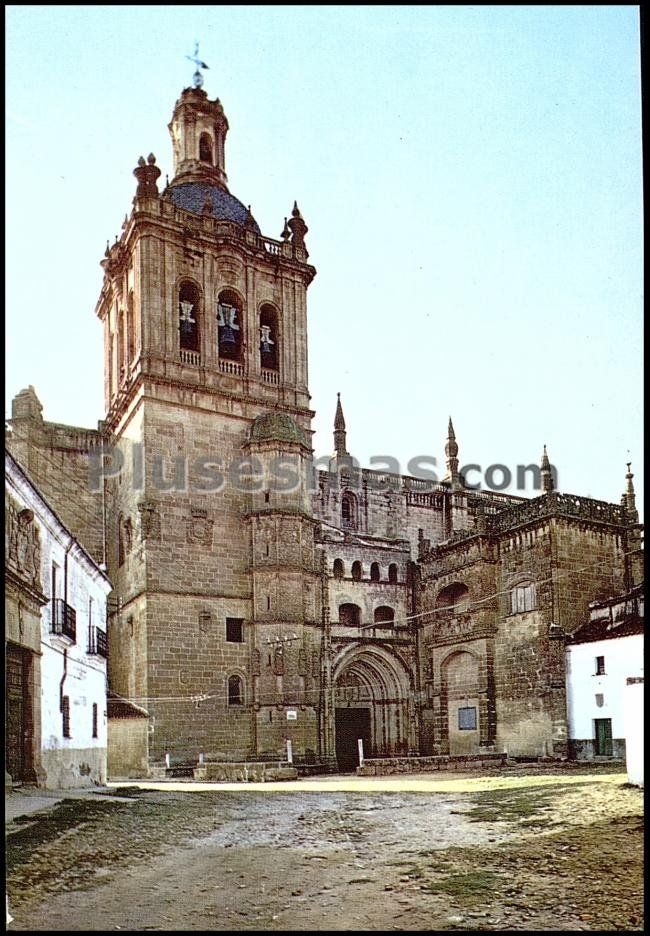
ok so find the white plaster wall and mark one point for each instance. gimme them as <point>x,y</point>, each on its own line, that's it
<point>623,658</point>
<point>633,718</point>
<point>81,758</point>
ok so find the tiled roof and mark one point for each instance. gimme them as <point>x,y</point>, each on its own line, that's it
<point>605,628</point>
<point>122,708</point>
<point>192,196</point>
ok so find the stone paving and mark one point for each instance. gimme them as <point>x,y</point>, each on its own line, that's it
<point>518,854</point>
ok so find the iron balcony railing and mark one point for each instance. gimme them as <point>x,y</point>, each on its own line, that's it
<point>97,642</point>
<point>64,620</point>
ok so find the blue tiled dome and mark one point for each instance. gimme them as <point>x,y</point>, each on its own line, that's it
<point>192,196</point>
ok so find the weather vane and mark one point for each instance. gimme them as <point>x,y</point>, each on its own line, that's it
<point>197,77</point>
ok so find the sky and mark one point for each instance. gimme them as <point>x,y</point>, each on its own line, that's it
<point>471,179</point>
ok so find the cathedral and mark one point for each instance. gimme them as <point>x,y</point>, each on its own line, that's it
<point>255,599</point>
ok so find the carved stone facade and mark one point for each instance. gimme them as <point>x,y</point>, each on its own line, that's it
<point>356,604</point>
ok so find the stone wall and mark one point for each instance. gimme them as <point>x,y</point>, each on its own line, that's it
<point>381,767</point>
<point>128,748</point>
<point>56,459</point>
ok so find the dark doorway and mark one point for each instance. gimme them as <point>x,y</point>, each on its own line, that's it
<point>351,724</point>
<point>15,702</point>
<point>603,737</point>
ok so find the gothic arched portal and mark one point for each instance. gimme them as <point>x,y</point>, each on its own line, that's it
<point>372,701</point>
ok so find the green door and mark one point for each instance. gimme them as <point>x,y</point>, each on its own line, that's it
<point>603,737</point>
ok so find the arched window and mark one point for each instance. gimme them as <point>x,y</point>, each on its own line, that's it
<point>454,598</point>
<point>130,326</point>
<point>229,322</point>
<point>121,342</point>
<point>235,691</point>
<point>269,342</point>
<point>349,511</point>
<point>349,615</point>
<point>523,597</point>
<point>188,316</point>
<point>356,571</point>
<point>338,570</point>
<point>121,550</point>
<point>392,573</point>
<point>128,535</point>
<point>384,615</point>
<point>374,572</point>
<point>205,148</point>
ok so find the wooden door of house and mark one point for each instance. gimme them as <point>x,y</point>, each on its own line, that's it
<point>603,732</point>
<point>15,712</point>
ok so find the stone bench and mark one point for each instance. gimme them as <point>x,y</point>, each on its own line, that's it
<point>244,772</point>
<point>380,766</point>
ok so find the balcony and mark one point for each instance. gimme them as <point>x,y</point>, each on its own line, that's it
<point>190,357</point>
<point>97,642</point>
<point>64,620</point>
<point>231,367</point>
<point>270,377</point>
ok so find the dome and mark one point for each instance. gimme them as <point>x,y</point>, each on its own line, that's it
<point>192,196</point>
<point>277,427</point>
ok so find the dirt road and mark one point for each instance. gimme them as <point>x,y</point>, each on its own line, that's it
<point>545,852</point>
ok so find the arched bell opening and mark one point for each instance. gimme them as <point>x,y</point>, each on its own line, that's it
<point>229,325</point>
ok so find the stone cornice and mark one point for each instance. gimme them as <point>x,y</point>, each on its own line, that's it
<point>23,586</point>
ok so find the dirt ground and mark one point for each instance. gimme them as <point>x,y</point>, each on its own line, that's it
<point>548,851</point>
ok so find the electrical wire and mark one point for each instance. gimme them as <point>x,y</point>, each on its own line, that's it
<point>206,695</point>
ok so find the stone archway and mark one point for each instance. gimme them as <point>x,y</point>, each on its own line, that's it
<point>461,703</point>
<point>372,700</point>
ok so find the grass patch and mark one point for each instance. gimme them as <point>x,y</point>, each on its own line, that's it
<point>528,806</point>
<point>465,886</point>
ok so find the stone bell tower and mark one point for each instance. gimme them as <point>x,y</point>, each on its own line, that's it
<point>205,339</point>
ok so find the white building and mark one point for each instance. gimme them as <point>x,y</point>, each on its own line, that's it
<point>601,656</point>
<point>66,735</point>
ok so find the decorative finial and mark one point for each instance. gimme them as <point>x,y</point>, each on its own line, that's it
<point>286,231</point>
<point>147,174</point>
<point>451,447</point>
<point>250,220</point>
<point>339,430</point>
<point>630,496</point>
<point>298,228</point>
<point>548,483</point>
<point>197,77</point>
<point>451,451</point>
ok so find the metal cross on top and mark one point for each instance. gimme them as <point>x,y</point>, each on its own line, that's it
<point>197,77</point>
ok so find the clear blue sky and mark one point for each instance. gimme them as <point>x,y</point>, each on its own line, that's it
<point>471,178</point>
